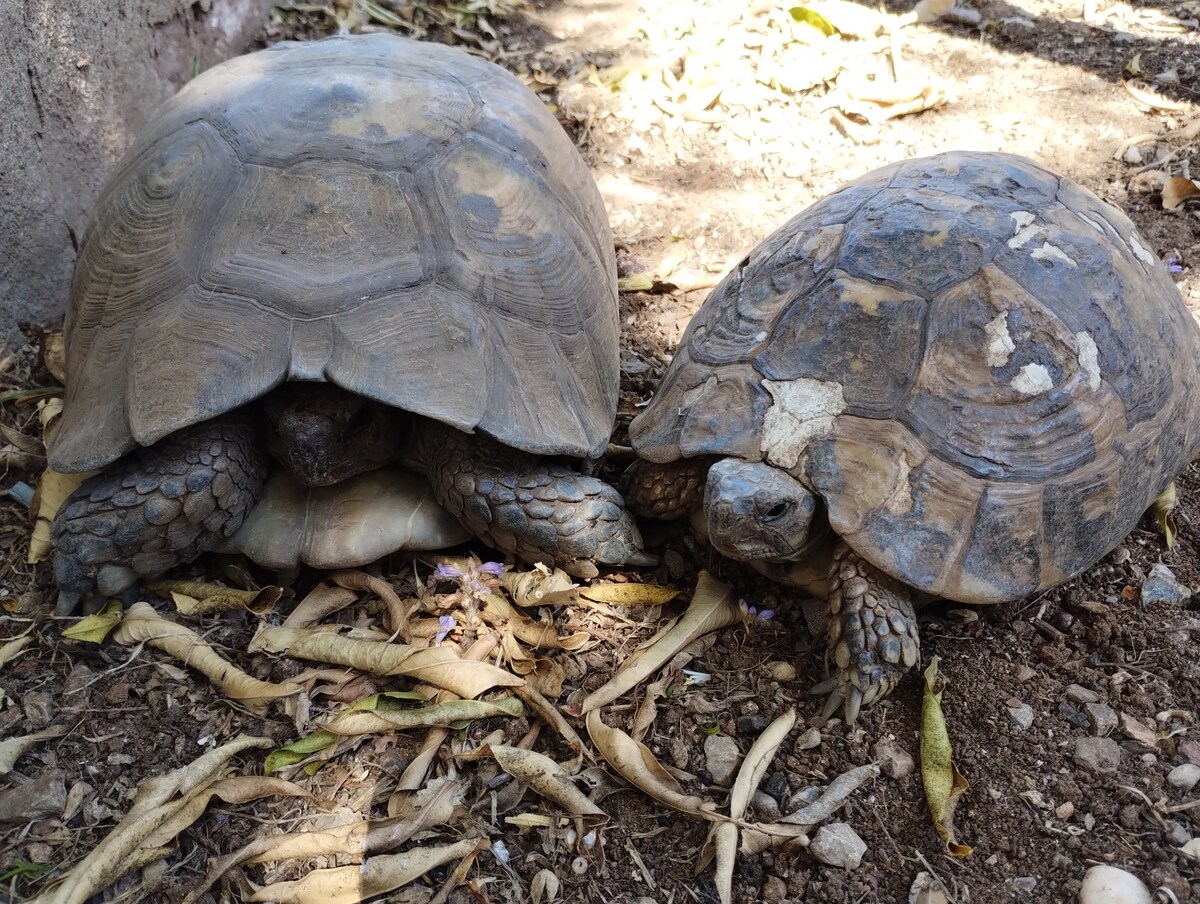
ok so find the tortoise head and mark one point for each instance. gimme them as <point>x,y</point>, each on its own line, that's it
<point>757,512</point>
<point>324,434</point>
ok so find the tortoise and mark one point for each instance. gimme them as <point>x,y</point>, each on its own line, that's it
<point>338,256</point>
<point>961,376</point>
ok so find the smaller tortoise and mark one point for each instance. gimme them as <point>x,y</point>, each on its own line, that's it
<point>330,258</point>
<point>962,376</point>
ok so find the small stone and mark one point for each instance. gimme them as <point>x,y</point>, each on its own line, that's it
<point>45,795</point>
<point>1073,716</point>
<point>810,739</point>
<point>1184,778</point>
<point>1102,717</point>
<point>765,806</point>
<point>963,15</point>
<point>1025,884</point>
<point>1021,715</point>
<point>1065,811</point>
<point>777,786</point>
<point>1024,673</point>
<point>774,890</point>
<point>1138,732</point>
<point>1161,587</point>
<point>1100,756</point>
<point>752,725</point>
<point>1110,885</point>
<point>1190,751</point>
<point>894,761</point>
<point>927,889</point>
<point>802,798</point>
<point>781,671</point>
<point>838,845</point>
<point>722,758</point>
<point>1177,834</point>
<point>1077,693</point>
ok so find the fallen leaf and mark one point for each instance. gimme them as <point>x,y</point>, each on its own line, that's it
<point>375,715</point>
<point>712,608</point>
<point>95,628</point>
<point>12,749</point>
<point>629,594</point>
<point>10,648</point>
<point>1177,191</point>
<point>1163,507</point>
<point>943,783</point>
<point>200,598</point>
<point>142,624</point>
<point>539,586</point>
<point>550,781</point>
<point>813,19</point>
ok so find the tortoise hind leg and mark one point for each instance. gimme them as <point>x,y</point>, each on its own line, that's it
<point>521,504</point>
<point>156,508</point>
<point>872,634</point>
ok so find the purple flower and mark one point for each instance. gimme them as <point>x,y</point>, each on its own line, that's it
<point>1174,264</point>
<point>752,613</point>
<point>446,624</point>
<point>446,570</point>
<point>493,568</point>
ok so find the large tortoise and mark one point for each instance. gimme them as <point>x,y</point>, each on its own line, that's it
<point>347,252</point>
<point>963,376</point>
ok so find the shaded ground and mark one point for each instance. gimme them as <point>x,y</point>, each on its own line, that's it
<point>707,125</point>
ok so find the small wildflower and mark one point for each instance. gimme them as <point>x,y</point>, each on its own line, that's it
<point>1174,264</point>
<point>493,568</point>
<point>446,624</point>
<point>753,613</point>
<point>446,570</point>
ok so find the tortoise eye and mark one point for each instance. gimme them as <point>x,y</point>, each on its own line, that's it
<point>777,511</point>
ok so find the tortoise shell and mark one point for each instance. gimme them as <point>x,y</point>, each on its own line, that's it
<point>978,365</point>
<point>399,218</point>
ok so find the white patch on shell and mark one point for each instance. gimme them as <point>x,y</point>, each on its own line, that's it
<point>1000,344</point>
<point>900,502</point>
<point>801,409</point>
<point>1023,228</point>
<point>1093,223</point>
<point>761,336</point>
<point>1144,254</point>
<point>1089,359</point>
<point>1033,379</point>
<point>1050,252</point>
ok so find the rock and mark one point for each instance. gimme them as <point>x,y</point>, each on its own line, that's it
<point>804,797</point>
<point>1138,732</point>
<point>1161,587</point>
<point>45,795</point>
<point>1184,778</point>
<point>722,758</point>
<point>1164,875</point>
<point>1065,810</point>
<point>963,15</point>
<point>1025,884</point>
<point>1021,715</point>
<point>1190,751</point>
<point>751,725</point>
<point>766,808</point>
<point>1103,718</point>
<point>1177,834</point>
<point>777,786</point>
<point>927,889</point>
<point>1100,756</point>
<point>838,845</point>
<point>774,890</point>
<point>781,671</point>
<point>894,761</point>
<point>810,739</point>
<point>1077,693</point>
<point>1109,885</point>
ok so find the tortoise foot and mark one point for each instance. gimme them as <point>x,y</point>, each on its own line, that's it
<point>154,509</point>
<point>872,634</point>
<point>523,505</point>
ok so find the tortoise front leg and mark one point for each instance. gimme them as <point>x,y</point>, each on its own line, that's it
<point>872,634</point>
<point>667,491</point>
<point>521,504</point>
<point>156,508</point>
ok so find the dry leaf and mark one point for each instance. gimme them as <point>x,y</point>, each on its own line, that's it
<point>142,624</point>
<point>54,355</point>
<point>1153,100</point>
<point>375,876</point>
<point>321,602</point>
<point>540,586</point>
<point>12,749</point>
<point>1177,191</point>
<point>52,491</point>
<point>375,715</point>
<point>550,781</point>
<point>943,783</point>
<point>200,598</point>
<point>440,666</point>
<point>629,594</point>
<point>95,628</point>
<point>1163,508</point>
<point>712,608</point>
<point>10,648</point>
<point>158,813</point>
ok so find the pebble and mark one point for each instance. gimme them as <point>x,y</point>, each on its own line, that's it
<point>751,725</point>
<point>1177,834</point>
<point>1065,811</point>
<point>766,808</point>
<point>802,798</point>
<point>1021,715</point>
<point>1161,587</point>
<point>1077,693</point>
<point>894,761</point>
<point>1190,751</point>
<point>781,671</point>
<point>1110,885</point>
<point>1184,778</point>
<point>1102,717</point>
<point>1138,732</point>
<point>722,757</point>
<point>810,739</point>
<point>838,845</point>
<point>777,786</point>
<point>1101,756</point>
<point>774,890</point>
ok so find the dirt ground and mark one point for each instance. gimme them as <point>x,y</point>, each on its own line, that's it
<point>707,124</point>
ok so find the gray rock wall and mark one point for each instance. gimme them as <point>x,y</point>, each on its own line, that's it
<point>78,79</point>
